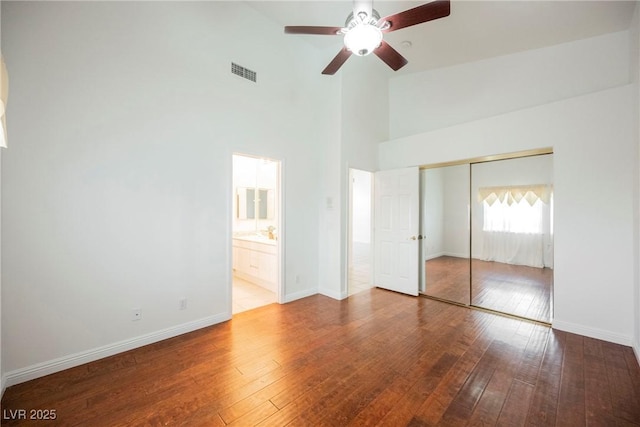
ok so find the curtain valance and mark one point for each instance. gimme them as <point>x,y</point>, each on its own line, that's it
<point>510,195</point>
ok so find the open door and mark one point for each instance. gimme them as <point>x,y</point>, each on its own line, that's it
<point>396,216</point>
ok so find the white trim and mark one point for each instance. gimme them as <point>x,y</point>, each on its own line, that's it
<point>456,255</point>
<point>433,256</point>
<point>636,351</point>
<point>56,365</point>
<point>593,332</point>
<point>299,295</point>
<point>332,293</point>
<point>280,293</point>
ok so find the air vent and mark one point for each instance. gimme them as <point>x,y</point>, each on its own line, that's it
<point>246,73</point>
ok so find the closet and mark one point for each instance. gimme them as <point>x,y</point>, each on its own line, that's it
<point>487,230</point>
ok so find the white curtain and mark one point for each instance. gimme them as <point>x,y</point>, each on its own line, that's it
<point>517,225</point>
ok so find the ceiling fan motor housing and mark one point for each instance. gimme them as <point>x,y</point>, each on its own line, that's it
<point>362,34</point>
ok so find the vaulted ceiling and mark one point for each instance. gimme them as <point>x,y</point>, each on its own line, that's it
<point>475,30</point>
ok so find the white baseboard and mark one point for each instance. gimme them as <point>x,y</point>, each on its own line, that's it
<point>333,294</point>
<point>41,369</point>
<point>593,333</point>
<point>636,351</point>
<point>300,294</point>
<point>456,255</point>
<point>440,254</point>
<point>433,256</point>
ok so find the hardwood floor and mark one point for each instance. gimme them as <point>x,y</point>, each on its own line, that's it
<point>359,268</point>
<point>512,289</point>
<point>376,358</point>
<point>448,278</point>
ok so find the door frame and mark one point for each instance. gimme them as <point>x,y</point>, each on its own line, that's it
<point>280,245</point>
<point>349,233</point>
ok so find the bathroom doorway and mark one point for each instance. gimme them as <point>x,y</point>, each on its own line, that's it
<point>255,232</point>
<point>360,243</point>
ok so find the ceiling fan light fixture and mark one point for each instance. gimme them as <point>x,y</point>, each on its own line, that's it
<point>363,39</point>
<point>363,31</point>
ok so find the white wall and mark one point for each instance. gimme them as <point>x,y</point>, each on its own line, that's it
<point>2,377</point>
<point>116,191</point>
<point>595,158</point>
<point>593,132</point>
<point>432,200</point>
<point>361,227</point>
<point>448,96</point>
<point>456,211</point>
<point>363,109</point>
<point>634,67</point>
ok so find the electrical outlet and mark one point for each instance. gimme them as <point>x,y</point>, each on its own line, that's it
<point>183,304</point>
<point>136,314</point>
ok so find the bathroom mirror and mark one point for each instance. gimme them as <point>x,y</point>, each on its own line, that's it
<point>254,203</point>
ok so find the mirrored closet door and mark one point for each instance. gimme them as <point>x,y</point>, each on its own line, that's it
<point>445,231</point>
<point>487,229</point>
<point>512,236</point>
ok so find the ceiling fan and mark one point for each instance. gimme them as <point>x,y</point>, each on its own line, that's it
<point>363,31</point>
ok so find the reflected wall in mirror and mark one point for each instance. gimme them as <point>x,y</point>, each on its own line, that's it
<point>445,227</point>
<point>512,236</point>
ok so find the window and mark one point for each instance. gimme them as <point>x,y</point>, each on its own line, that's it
<point>515,209</point>
<point>518,217</point>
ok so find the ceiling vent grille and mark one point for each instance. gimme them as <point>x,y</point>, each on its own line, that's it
<point>246,73</point>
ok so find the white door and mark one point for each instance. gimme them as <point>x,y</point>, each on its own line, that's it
<point>396,216</point>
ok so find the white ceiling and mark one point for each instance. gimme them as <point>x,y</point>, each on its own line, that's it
<point>475,29</point>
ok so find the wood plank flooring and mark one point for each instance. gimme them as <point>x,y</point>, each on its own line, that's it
<point>448,278</point>
<point>513,289</point>
<point>376,358</point>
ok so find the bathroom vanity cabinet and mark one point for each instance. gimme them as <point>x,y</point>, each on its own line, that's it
<point>254,260</point>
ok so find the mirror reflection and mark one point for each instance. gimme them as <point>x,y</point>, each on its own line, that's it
<point>512,236</point>
<point>255,201</point>
<point>445,227</point>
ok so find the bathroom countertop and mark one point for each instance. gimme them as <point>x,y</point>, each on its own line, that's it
<point>257,239</point>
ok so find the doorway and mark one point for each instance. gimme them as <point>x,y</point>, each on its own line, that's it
<point>360,244</point>
<point>255,232</point>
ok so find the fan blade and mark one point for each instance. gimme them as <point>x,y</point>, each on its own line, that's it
<point>337,62</point>
<point>427,12</point>
<point>390,56</point>
<point>321,31</point>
